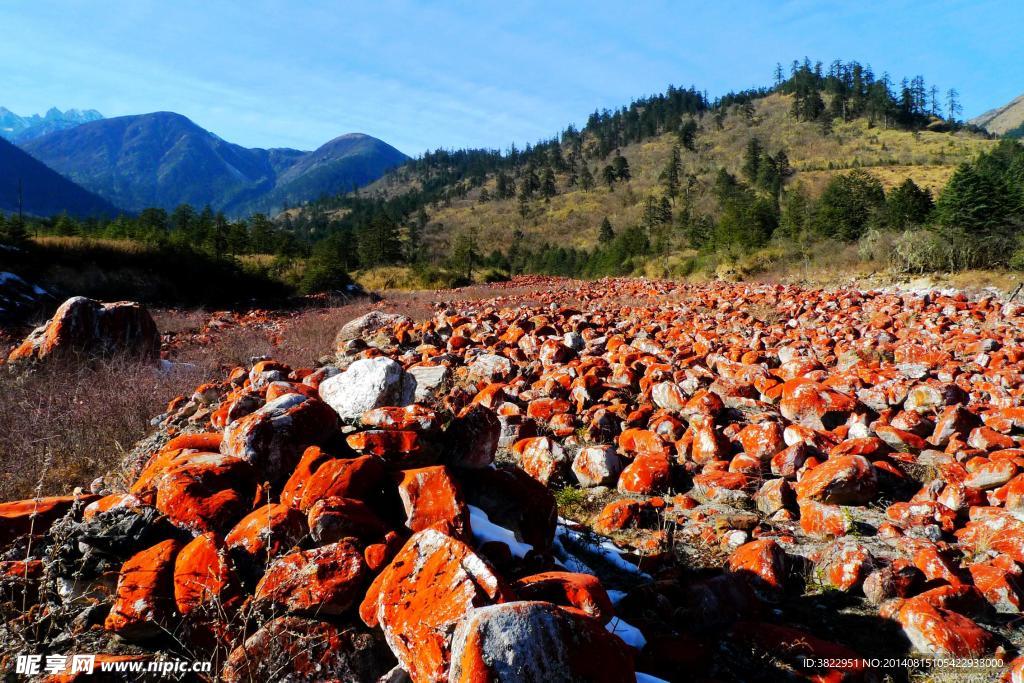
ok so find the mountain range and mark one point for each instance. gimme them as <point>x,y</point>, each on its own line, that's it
<point>163,159</point>
<point>1005,120</point>
<point>43,192</point>
<point>19,129</point>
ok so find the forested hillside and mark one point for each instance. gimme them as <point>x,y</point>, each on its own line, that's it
<point>828,159</point>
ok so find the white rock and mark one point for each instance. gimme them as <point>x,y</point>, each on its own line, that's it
<point>369,324</point>
<point>490,367</point>
<point>597,466</point>
<point>368,383</point>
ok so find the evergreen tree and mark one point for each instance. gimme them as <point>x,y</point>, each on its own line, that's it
<point>670,176</point>
<point>606,234</point>
<point>908,205</point>
<point>586,178</point>
<point>465,255</point>
<point>688,134</point>
<point>609,175</point>
<point>752,159</point>
<point>15,232</point>
<point>219,237</point>
<point>548,189</point>
<point>848,204</point>
<point>621,168</point>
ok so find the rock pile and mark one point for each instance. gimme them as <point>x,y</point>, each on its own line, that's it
<point>751,455</point>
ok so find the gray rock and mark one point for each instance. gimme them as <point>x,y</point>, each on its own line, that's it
<point>537,642</point>
<point>429,378</point>
<point>368,383</point>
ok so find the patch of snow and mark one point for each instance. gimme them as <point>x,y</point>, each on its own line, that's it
<point>567,541</point>
<point>648,678</point>
<point>628,633</point>
<point>484,530</point>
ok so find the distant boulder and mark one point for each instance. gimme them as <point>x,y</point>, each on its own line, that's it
<point>87,326</point>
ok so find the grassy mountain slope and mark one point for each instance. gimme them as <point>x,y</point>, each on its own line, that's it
<point>573,216</point>
<point>1003,120</point>
<point>44,192</point>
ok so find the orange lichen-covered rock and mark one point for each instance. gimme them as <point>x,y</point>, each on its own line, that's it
<point>294,648</point>
<point>941,632</point>
<point>88,326</point>
<point>823,520</point>
<point>597,466</point>
<point>762,563</point>
<point>414,417</point>
<point>324,580</point>
<point>265,533</point>
<point>35,516</point>
<point>649,473</point>
<point>206,491</point>
<point>1001,581</point>
<point>761,441</point>
<point>844,565</point>
<point>356,478</point>
<point>204,581</point>
<point>145,592</point>
<point>312,459</point>
<point>845,480</point>
<point>582,591</point>
<point>418,600</point>
<point>404,448</point>
<point>432,499</point>
<point>332,519</point>
<point>542,457</point>
<point>534,641</point>
<point>274,437</point>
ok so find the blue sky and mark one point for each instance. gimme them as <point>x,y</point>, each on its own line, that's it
<point>422,75</point>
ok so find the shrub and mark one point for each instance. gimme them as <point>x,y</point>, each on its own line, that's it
<point>919,251</point>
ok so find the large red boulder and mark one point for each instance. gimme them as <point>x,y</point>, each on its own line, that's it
<point>419,599</point>
<point>432,499</point>
<point>206,491</point>
<point>274,437</point>
<point>87,326</point>
<point>324,580</point>
<point>292,648</point>
<point>844,480</point>
<point>941,632</point>
<point>144,601</point>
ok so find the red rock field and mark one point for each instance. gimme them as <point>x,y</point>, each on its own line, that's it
<point>622,480</point>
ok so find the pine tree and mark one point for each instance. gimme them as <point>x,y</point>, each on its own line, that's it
<point>586,178</point>
<point>670,176</point>
<point>621,168</point>
<point>606,233</point>
<point>752,159</point>
<point>687,134</point>
<point>908,205</point>
<point>609,175</point>
<point>465,255</point>
<point>953,105</point>
<point>15,233</point>
<point>548,189</point>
